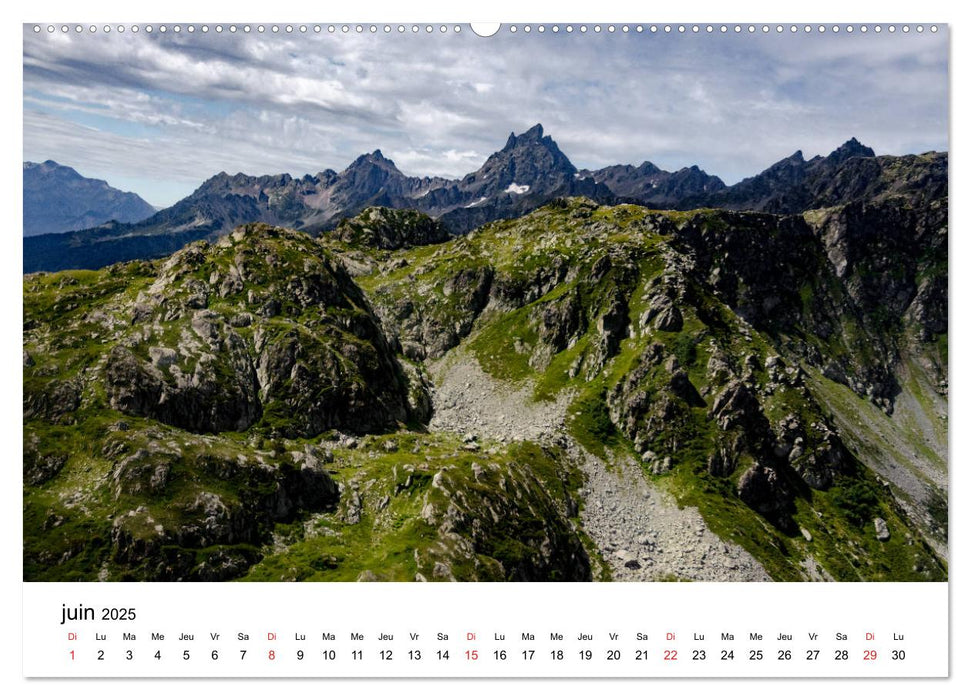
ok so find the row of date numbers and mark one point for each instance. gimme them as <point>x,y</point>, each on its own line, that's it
<point>670,655</point>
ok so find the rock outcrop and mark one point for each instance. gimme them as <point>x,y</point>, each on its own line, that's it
<point>264,406</point>
<point>262,329</point>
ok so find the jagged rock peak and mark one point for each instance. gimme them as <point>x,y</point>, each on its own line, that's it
<point>851,149</point>
<point>535,133</point>
<point>221,176</point>
<point>374,158</point>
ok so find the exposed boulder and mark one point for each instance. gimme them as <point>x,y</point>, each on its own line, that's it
<point>54,400</point>
<point>391,229</point>
<point>611,330</point>
<point>559,322</point>
<point>40,466</point>
<point>763,489</point>
<point>723,459</point>
<point>662,314</point>
<point>738,407</point>
<point>146,472</point>
<point>881,530</point>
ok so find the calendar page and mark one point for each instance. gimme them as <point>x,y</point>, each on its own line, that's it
<point>553,350</point>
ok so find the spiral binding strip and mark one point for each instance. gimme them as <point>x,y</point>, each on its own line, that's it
<point>511,29</point>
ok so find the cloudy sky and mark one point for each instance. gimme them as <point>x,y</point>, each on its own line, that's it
<point>159,113</point>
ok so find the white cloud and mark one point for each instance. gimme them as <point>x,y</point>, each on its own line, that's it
<point>194,104</point>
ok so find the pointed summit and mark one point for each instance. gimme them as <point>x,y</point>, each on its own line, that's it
<point>788,170</point>
<point>371,160</point>
<point>648,168</point>
<point>528,158</point>
<point>535,133</point>
<point>851,149</point>
<point>531,135</point>
<point>795,160</point>
<point>529,169</point>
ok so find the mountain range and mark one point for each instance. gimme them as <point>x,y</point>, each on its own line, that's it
<point>528,172</point>
<point>58,198</point>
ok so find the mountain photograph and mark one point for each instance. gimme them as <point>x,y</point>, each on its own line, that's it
<point>460,358</point>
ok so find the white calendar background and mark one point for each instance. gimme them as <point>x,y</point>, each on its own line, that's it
<point>486,630</point>
<point>934,631</point>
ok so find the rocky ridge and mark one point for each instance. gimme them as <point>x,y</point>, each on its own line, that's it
<point>526,402</point>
